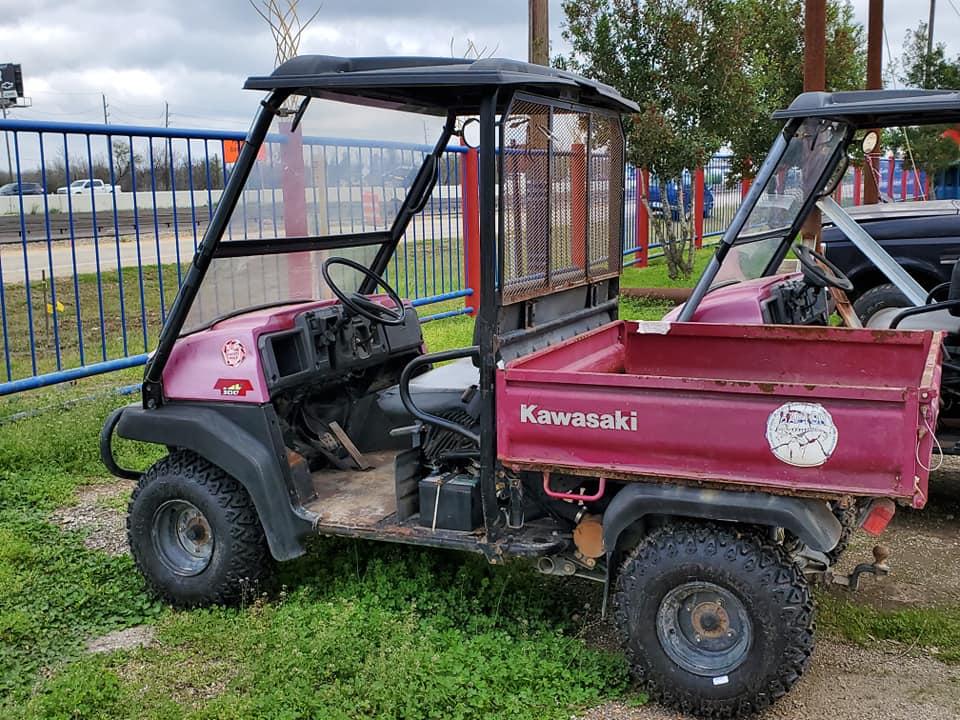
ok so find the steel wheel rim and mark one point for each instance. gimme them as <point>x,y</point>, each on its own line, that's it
<point>182,537</point>
<point>704,628</point>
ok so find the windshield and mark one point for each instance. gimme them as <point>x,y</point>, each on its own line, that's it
<point>345,170</point>
<point>797,176</point>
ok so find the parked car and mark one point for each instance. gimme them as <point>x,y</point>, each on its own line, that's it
<point>78,187</point>
<point>657,205</point>
<point>25,188</point>
<point>923,237</point>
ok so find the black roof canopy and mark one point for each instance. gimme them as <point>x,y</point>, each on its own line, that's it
<point>432,85</point>
<point>878,108</point>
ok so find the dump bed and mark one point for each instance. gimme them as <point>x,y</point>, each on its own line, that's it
<point>812,410</point>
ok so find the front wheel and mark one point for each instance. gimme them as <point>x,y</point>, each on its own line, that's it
<point>716,622</point>
<point>195,534</point>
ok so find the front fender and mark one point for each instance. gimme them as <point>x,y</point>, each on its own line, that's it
<point>242,440</point>
<point>809,519</point>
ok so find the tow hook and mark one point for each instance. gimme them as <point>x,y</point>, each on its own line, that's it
<point>878,568</point>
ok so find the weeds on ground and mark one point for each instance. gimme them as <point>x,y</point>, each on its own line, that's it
<point>922,628</point>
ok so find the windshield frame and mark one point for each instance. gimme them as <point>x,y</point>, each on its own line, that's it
<point>767,171</point>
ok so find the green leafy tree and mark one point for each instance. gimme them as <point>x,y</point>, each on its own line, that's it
<point>681,61</point>
<point>926,148</point>
<point>773,64</point>
<point>707,74</point>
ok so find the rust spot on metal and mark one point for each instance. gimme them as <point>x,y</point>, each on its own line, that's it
<point>767,387</point>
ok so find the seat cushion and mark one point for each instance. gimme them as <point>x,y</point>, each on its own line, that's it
<point>457,375</point>
<point>438,391</point>
<point>936,320</point>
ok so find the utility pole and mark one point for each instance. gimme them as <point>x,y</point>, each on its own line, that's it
<point>539,24</point>
<point>6,137</point>
<point>106,115</point>
<point>814,79</point>
<point>933,12</point>
<point>166,142</point>
<point>871,190</point>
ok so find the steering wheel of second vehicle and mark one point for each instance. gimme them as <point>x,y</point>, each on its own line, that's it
<point>820,275</point>
<point>360,304</point>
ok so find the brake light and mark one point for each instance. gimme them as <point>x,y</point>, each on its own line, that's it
<point>878,516</point>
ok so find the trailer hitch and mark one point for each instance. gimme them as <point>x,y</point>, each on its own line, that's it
<point>816,567</point>
<point>878,568</point>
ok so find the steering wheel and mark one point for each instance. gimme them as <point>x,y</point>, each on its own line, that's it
<point>825,275</point>
<point>360,304</point>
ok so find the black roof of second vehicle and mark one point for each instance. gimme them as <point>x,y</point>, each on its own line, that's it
<point>431,85</point>
<point>878,108</point>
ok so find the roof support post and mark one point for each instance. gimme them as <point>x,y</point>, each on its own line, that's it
<point>486,329</point>
<point>153,374</point>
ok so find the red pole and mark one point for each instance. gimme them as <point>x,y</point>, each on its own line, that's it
<point>745,187</point>
<point>903,181</point>
<point>928,185</point>
<point>857,185</point>
<point>470,209</point>
<point>892,166</point>
<point>578,204</point>
<point>293,183</point>
<point>699,181</point>
<point>643,220</point>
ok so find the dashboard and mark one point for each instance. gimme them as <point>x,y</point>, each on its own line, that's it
<point>796,302</point>
<point>328,342</point>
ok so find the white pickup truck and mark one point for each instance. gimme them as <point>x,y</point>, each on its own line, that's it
<point>78,187</point>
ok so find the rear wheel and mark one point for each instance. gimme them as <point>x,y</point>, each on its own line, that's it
<point>194,533</point>
<point>878,306</point>
<point>715,622</point>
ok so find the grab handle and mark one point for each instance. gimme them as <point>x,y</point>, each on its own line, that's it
<point>405,376</point>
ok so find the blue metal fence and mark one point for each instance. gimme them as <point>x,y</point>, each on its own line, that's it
<point>99,222</point>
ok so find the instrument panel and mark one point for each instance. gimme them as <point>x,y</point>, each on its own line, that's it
<point>328,341</point>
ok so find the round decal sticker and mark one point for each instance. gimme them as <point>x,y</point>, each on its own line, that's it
<point>802,434</point>
<point>233,353</point>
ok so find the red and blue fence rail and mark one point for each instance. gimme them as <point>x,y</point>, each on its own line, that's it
<point>87,274</point>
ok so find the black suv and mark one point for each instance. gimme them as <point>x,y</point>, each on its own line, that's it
<point>924,237</point>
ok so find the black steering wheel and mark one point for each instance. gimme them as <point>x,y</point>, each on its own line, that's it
<point>820,272</point>
<point>360,304</point>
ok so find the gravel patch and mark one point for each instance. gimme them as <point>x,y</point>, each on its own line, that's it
<point>135,637</point>
<point>95,514</point>
<point>846,682</point>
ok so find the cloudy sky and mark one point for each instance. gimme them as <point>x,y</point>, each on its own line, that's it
<point>195,54</point>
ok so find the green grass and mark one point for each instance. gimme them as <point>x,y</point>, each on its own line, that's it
<point>353,630</point>
<point>922,628</point>
<point>655,274</point>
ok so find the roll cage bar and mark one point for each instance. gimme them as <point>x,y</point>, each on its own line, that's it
<point>447,87</point>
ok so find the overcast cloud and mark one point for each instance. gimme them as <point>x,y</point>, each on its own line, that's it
<point>196,54</point>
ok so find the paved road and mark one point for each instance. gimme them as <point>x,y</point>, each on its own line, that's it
<point>85,256</point>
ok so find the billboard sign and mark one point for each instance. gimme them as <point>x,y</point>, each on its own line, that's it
<point>11,82</point>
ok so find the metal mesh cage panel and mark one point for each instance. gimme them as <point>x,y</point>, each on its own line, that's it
<point>561,198</point>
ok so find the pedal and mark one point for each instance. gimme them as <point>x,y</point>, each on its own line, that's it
<point>347,443</point>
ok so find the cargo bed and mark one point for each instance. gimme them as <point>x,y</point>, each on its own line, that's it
<point>810,410</point>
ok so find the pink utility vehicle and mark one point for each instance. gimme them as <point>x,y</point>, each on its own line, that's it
<point>689,468</point>
<point>746,281</point>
